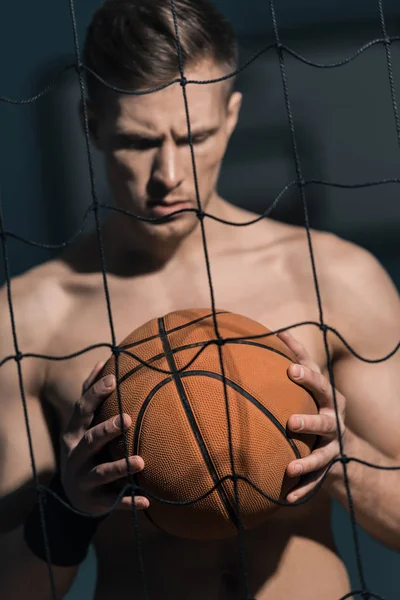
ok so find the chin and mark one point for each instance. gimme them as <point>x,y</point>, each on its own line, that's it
<point>175,229</point>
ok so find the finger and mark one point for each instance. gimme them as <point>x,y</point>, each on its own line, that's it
<point>112,471</point>
<point>318,459</point>
<point>314,382</point>
<point>93,376</point>
<point>85,408</point>
<point>95,438</point>
<point>306,487</point>
<point>301,354</point>
<point>323,424</point>
<point>106,501</point>
<point>141,503</point>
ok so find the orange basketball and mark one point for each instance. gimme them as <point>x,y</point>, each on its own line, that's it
<point>179,419</point>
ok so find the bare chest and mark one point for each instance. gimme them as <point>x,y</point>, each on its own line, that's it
<point>84,338</point>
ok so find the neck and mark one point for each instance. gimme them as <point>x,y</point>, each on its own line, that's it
<point>150,253</point>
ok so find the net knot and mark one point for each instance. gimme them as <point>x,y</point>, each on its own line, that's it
<point>18,357</point>
<point>220,342</point>
<point>301,182</point>
<point>200,215</point>
<point>324,328</point>
<point>183,81</point>
<point>344,459</point>
<point>134,489</point>
<point>116,350</point>
<point>79,67</point>
<point>387,41</point>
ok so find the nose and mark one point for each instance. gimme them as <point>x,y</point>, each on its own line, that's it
<point>167,170</point>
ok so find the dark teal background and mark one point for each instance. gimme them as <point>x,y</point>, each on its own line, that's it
<point>344,123</point>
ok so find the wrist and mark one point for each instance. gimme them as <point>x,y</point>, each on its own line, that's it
<point>65,536</point>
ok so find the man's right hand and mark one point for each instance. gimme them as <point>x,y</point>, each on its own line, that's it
<point>84,480</point>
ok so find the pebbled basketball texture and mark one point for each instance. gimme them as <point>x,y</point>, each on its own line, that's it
<point>180,427</point>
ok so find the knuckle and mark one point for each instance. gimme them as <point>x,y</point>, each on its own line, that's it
<point>98,387</point>
<point>109,427</point>
<point>80,408</point>
<point>323,384</point>
<point>85,386</point>
<point>99,471</point>
<point>88,437</point>
<point>120,468</point>
<point>330,424</point>
<point>67,441</point>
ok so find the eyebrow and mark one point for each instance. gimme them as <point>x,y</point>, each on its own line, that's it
<point>132,136</point>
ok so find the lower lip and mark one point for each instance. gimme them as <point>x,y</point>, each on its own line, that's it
<point>163,210</point>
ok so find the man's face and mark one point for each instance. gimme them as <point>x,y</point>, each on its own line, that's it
<point>146,147</point>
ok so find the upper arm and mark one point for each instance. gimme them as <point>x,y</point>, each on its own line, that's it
<point>368,317</point>
<point>16,467</point>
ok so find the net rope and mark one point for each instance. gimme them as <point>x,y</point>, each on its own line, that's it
<point>96,207</point>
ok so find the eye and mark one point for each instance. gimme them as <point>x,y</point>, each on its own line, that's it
<point>130,142</point>
<point>142,144</point>
<point>199,139</point>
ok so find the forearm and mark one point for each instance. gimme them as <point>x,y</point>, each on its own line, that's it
<point>23,575</point>
<point>374,491</point>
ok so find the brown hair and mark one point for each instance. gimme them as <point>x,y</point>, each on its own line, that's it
<point>131,43</point>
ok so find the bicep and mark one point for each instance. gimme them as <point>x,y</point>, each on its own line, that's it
<point>372,392</point>
<point>371,325</point>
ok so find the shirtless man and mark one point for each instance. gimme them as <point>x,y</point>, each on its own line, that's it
<point>262,271</point>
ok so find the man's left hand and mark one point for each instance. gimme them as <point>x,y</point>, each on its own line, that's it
<point>307,373</point>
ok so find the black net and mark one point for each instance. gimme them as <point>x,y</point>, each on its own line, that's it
<point>96,207</point>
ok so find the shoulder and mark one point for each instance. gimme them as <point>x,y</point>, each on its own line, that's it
<point>355,272</point>
<point>364,304</point>
<point>34,301</point>
<point>359,298</point>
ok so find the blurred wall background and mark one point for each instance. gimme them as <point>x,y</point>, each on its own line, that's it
<point>344,122</point>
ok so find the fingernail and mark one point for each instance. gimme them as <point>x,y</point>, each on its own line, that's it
<point>298,424</point>
<point>297,470</point>
<point>297,371</point>
<point>138,461</point>
<point>142,503</point>
<point>118,422</point>
<point>108,381</point>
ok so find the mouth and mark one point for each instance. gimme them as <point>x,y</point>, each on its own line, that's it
<point>163,209</point>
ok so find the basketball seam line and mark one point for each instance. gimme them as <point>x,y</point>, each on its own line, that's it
<point>173,330</point>
<point>145,405</point>
<point>143,409</point>
<point>238,342</point>
<point>252,399</point>
<point>192,422</point>
<point>199,344</point>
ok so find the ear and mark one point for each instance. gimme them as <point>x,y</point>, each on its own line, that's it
<point>233,110</point>
<point>92,122</point>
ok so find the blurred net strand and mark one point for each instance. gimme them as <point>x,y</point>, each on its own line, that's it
<point>132,482</point>
<point>156,220</point>
<point>200,215</point>
<point>300,180</point>
<point>387,44</point>
<point>193,501</point>
<point>80,66</point>
<point>364,592</point>
<point>18,358</point>
<point>227,341</point>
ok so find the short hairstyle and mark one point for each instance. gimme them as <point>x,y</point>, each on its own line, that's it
<point>131,44</point>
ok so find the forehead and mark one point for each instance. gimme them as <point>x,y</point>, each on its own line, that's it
<point>164,111</point>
